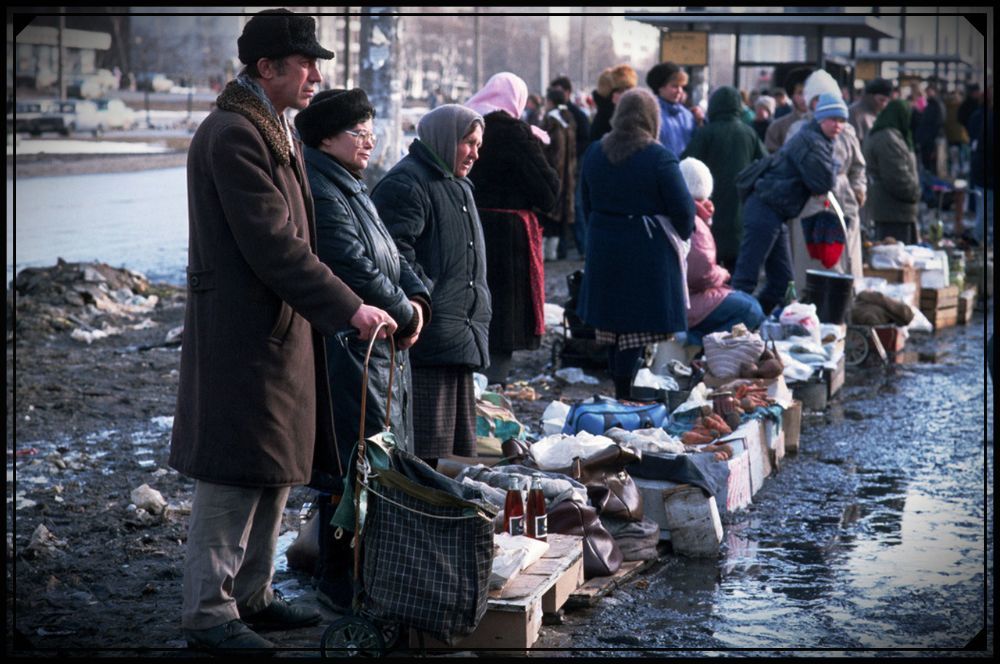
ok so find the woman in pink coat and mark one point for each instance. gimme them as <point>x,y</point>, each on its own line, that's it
<point>714,306</point>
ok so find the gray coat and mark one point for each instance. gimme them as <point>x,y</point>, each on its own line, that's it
<point>892,171</point>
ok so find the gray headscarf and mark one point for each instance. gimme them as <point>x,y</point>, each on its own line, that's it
<point>635,124</point>
<point>442,128</point>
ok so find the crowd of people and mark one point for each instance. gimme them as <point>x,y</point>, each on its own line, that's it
<point>294,266</point>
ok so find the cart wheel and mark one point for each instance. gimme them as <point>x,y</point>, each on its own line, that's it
<point>856,347</point>
<point>352,636</point>
<point>391,632</point>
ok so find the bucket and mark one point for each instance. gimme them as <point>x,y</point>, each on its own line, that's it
<point>831,292</point>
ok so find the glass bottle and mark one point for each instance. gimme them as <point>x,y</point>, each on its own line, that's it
<point>536,525</point>
<point>513,509</point>
<point>790,294</point>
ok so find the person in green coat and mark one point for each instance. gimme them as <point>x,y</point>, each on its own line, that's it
<point>727,145</point>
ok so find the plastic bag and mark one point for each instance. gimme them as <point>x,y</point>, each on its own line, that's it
<point>554,417</point>
<point>558,451</point>
<point>888,256</point>
<point>799,314</point>
<point>646,378</point>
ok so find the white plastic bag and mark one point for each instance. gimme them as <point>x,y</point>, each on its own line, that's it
<point>554,417</point>
<point>576,375</point>
<point>801,315</point>
<point>559,450</point>
<point>646,378</point>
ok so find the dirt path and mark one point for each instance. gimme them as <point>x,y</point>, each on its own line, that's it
<point>86,425</point>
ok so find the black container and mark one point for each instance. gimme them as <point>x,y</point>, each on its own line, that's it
<point>832,294</point>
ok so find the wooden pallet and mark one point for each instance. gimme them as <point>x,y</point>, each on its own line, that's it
<point>514,612</point>
<point>594,589</point>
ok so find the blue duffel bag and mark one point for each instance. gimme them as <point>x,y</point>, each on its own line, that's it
<point>600,413</point>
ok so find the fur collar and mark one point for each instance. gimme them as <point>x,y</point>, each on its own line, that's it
<point>238,99</point>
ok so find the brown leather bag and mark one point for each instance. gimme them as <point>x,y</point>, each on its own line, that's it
<point>601,555</point>
<point>611,490</point>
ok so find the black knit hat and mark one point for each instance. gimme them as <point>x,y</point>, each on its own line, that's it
<point>661,74</point>
<point>879,86</point>
<point>276,33</point>
<point>330,112</point>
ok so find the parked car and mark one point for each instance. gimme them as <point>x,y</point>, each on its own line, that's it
<point>36,118</point>
<point>96,115</point>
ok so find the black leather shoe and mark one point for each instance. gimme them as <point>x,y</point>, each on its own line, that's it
<point>279,614</point>
<point>232,638</point>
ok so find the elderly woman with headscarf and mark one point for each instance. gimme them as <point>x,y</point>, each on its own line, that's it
<point>638,212</point>
<point>894,183</point>
<point>512,181</point>
<point>426,203</point>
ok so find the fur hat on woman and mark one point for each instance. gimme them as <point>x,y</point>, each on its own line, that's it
<point>621,78</point>
<point>443,128</point>
<point>635,124</point>
<point>331,112</point>
<point>698,178</point>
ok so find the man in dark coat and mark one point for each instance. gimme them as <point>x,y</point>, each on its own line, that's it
<point>253,396</point>
<point>582,121</point>
<point>726,145</point>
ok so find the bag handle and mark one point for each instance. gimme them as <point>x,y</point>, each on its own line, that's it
<point>364,384</point>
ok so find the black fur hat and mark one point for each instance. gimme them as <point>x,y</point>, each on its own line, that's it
<point>330,112</point>
<point>275,33</point>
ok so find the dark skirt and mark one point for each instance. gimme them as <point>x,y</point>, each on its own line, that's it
<point>508,274</point>
<point>444,412</point>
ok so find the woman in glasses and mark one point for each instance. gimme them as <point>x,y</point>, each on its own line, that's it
<point>337,130</point>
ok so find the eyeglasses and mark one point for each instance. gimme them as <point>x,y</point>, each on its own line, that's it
<point>362,137</point>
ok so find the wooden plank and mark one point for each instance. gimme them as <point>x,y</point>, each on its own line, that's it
<point>536,580</point>
<point>497,629</point>
<point>835,379</point>
<point>555,598</point>
<point>738,492</point>
<point>594,589</point>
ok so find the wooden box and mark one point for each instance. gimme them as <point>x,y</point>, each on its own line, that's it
<point>791,424</point>
<point>514,612</point>
<point>897,275</point>
<point>932,299</point>
<point>943,318</point>
<point>966,305</point>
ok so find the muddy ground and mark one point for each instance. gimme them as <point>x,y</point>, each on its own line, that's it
<point>87,423</point>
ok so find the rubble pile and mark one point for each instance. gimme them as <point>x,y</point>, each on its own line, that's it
<point>91,301</point>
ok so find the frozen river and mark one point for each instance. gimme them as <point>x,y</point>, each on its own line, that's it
<point>136,220</point>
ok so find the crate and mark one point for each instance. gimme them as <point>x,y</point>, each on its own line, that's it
<point>897,275</point>
<point>514,612</point>
<point>932,299</point>
<point>835,379</point>
<point>943,318</point>
<point>966,305</point>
